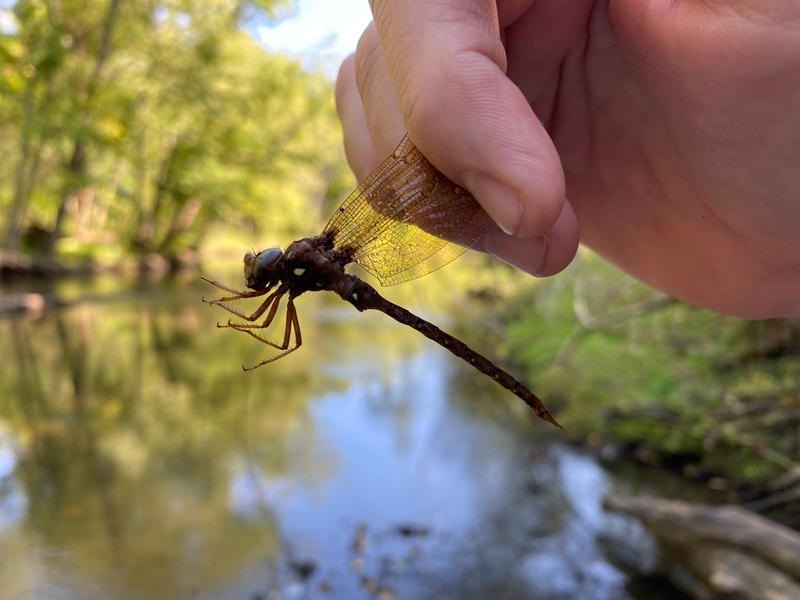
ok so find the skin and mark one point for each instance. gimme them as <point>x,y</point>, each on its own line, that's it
<point>663,134</point>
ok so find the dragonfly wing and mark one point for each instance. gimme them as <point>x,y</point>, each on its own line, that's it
<point>407,219</point>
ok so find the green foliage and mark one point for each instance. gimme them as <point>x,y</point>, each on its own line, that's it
<point>146,125</point>
<point>641,368</point>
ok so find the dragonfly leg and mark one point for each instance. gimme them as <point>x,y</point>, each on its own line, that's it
<point>272,300</point>
<point>237,294</point>
<point>265,324</point>
<point>248,328</point>
<point>292,326</point>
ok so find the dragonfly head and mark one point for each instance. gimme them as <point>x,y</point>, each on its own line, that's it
<point>262,269</point>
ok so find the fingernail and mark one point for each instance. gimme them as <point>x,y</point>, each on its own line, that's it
<point>502,203</point>
<point>530,255</point>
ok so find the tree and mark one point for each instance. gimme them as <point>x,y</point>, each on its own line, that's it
<point>142,124</point>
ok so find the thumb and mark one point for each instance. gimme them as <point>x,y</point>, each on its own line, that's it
<point>447,65</point>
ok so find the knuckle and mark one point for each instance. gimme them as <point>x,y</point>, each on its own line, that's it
<point>423,96</point>
<point>367,59</point>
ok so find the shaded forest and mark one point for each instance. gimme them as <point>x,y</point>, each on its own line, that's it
<point>136,129</point>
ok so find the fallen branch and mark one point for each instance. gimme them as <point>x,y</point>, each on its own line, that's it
<point>730,550</point>
<point>730,525</point>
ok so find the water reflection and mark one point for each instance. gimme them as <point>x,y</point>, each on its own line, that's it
<point>138,461</point>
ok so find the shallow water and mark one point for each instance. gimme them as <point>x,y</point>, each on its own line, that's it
<point>138,461</point>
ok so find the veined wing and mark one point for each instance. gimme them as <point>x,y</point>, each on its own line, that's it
<point>407,219</point>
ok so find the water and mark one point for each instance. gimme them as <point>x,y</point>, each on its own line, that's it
<point>138,461</point>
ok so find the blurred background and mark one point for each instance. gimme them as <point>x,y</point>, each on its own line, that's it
<point>144,144</point>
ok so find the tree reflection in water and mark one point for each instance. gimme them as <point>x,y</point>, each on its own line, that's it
<point>137,460</point>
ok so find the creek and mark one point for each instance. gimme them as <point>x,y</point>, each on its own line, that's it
<point>137,460</point>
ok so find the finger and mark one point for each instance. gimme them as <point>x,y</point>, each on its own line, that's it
<point>358,148</point>
<point>375,88</point>
<point>543,255</point>
<point>446,63</point>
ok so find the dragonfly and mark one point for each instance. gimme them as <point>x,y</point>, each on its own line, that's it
<point>405,220</point>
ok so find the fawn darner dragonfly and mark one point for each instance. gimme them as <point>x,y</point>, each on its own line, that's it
<point>404,221</point>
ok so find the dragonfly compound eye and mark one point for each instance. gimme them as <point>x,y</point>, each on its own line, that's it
<point>267,259</point>
<point>260,270</point>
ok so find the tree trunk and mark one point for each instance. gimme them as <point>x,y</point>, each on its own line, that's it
<point>26,171</point>
<point>76,169</point>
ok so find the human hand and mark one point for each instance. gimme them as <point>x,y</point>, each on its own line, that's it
<point>667,133</point>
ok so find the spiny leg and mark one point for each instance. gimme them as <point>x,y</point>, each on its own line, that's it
<point>292,324</point>
<point>237,294</point>
<point>272,301</point>
<point>274,298</point>
<point>249,327</point>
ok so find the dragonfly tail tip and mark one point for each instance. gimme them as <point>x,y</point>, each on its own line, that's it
<point>551,419</point>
